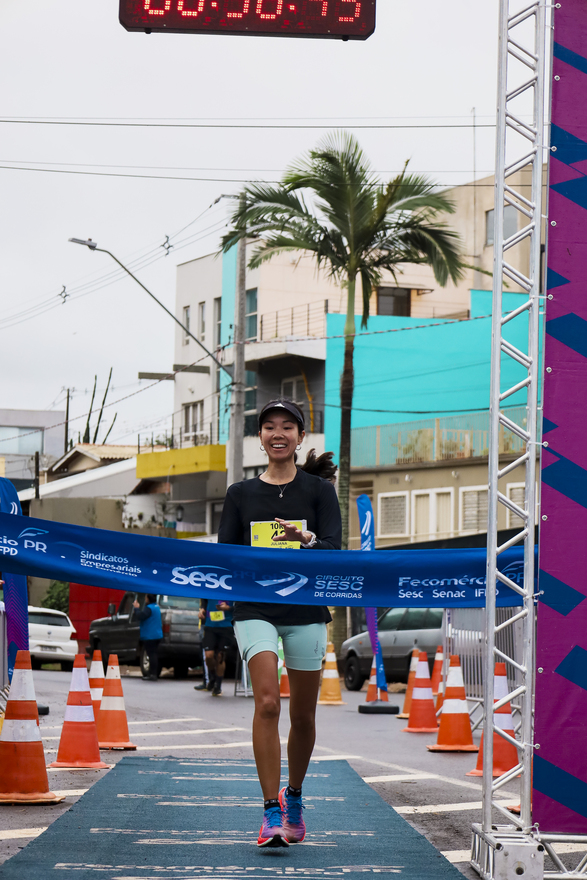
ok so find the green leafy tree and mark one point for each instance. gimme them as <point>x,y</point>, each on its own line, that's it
<point>57,597</point>
<point>331,204</point>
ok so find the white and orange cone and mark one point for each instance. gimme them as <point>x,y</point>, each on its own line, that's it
<point>422,712</point>
<point>454,733</point>
<point>375,694</point>
<point>437,670</point>
<point>439,698</point>
<point>96,681</point>
<point>284,683</point>
<point>505,754</point>
<point>112,725</point>
<point>330,693</point>
<point>405,713</point>
<point>78,746</point>
<point>23,775</point>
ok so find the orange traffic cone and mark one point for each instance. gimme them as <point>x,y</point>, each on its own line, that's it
<point>284,683</point>
<point>78,746</point>
<point>23,775</point>
<point>422,713</point>
<point>405,713</point>
<point>505,754</point>
<point>454,733</point>
<point>437,670</point>
<point>96,681</point>
<point>373,692</point>
<point>330,694</point>
<point>439,698</point>
<point>112,725</point>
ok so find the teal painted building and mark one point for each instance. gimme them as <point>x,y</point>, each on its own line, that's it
<point>408,369</point>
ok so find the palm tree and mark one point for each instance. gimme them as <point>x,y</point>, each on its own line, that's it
<point>357,227</point>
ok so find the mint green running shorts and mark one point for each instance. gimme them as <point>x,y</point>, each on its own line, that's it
<point>304,646</point>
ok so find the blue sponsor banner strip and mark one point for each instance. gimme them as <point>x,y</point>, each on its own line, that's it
<point>402,578</point>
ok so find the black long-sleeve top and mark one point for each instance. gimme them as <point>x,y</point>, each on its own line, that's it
<point>308,498</point>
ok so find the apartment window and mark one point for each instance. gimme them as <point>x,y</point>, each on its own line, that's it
<point>473,509</point>
<point>20,441</point>
<point>393,301</point>
<point>392,514</point>
<point>186,324</point>
<point>432,514</point>
<point>193,421</point>
<point>251,423</point>
<point>202,321</point>
<point>251,314</point>
<point>293,389</point>
<point>217,322</point>
<point>510,224</point>
<point>516,493</point>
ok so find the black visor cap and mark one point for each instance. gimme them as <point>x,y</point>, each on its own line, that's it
<point>276,405</point>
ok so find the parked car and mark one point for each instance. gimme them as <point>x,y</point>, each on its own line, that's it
<point>400,631</point>
<point>181,646</point>
<point>52,638</point>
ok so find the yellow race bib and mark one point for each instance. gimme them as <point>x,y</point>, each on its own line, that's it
<point>262,534</point>
<point>216,616</point>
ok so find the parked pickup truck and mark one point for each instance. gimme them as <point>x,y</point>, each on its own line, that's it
<point>180,648</point>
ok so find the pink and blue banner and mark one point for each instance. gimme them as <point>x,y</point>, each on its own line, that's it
<point>15,588</point>
<point>560,758</point>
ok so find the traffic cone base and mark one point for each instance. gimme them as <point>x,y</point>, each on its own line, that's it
<point>330,694</point>
<point>405,713</point>
<point>454,733</point>
<point>78,745</point>
<point>23,775</point>
<point>422,712</point>
<point>112,726</point>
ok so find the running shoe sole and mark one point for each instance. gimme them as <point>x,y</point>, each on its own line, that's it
<point>276,840</point>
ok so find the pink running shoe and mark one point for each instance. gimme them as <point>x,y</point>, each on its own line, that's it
<point>272,832</point>
<point>293,821</point>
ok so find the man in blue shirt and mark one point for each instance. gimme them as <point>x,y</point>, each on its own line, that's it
<point>218,639</point>
<point>151,632</point>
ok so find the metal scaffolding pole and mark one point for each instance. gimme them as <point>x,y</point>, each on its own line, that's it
<point>519,155</point>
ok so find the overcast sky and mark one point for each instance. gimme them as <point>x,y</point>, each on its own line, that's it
<point>428,64</point>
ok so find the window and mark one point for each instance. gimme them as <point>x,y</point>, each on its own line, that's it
<point>391,619</point>
<point>293,389</point>
<point>392,514</point>
<point>193,421</point>
<point>251,314</point>
<point>20,441</point>
<point>251,423</point>
<point>510,224</point>
<point>516,493</point>
<point>394,301</point>
<point>186,323</point>
<point>202,321</point>
<point>432,514</point>
<point>433,618</point>
<point>254,471</point>
<point>473,509</point>
<point>413,619</point>
<point>126,604</point>
<point>217,322</point>
<point>52,619</point>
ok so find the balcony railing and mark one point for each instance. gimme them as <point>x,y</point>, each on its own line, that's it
<point>445,439</point>
<point>308,319</point>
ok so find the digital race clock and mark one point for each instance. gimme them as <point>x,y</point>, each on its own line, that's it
<point>342,19</point>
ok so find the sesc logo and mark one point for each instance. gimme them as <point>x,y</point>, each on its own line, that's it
<point>197,577</point>
<point>515,572</point>
<point>292,580</point>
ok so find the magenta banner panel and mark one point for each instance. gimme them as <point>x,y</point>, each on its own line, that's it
<point>560,758</point>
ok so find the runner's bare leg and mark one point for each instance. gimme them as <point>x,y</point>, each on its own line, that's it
<point>266,745</point>
<point>303,688</point>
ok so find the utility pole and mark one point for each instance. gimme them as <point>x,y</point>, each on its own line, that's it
<point>66,440</point>
<point>237,420</point>
<point>37,476</point>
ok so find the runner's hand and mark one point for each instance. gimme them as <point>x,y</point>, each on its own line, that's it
<point>292,533</point>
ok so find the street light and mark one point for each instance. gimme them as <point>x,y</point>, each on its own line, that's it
<point>92,245</point>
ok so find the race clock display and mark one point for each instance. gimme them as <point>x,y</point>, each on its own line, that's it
<point>339,19</point>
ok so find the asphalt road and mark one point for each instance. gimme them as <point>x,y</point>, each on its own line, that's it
<point>169,717</point>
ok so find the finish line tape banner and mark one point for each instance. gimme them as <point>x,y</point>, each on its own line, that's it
<point>400,578</point>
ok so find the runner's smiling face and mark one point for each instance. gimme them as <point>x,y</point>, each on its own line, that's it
<point>280,434</point>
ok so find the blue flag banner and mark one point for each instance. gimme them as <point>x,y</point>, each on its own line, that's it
<point>367,529</point>
<point>15,587</point>
<point>401,578</point>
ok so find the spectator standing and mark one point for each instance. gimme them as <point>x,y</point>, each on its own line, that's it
<point>151,632</point>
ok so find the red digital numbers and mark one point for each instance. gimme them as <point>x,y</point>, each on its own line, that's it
<point>344,19</point>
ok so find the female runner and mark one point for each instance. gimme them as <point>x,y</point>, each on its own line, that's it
<point>284,494</point>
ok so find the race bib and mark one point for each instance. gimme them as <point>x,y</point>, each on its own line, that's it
<point>262,534</point>
<point>216,616</point>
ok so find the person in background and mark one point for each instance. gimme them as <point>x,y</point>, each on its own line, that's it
<point>151,632</point>
<point>218,640</point>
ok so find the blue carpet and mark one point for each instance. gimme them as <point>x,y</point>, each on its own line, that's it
<point>174,819</point>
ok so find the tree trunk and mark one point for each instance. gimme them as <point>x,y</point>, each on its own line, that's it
<point>347,383</point>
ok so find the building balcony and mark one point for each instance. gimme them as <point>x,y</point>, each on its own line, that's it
<point>188,460</point>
